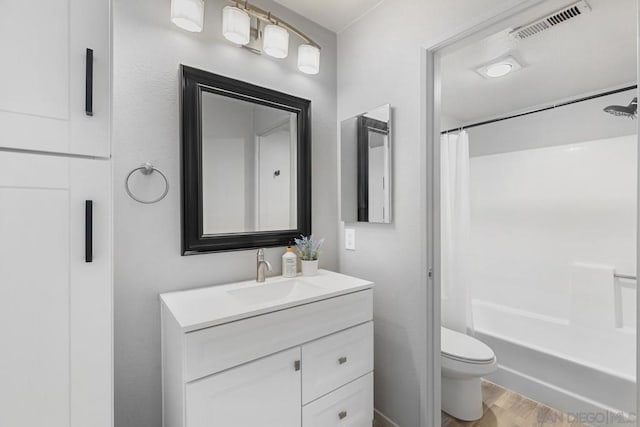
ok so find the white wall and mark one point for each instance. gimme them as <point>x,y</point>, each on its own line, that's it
<point>536,212</point>
<point>448,122</point>
<point>147,51</point>
<point>266,118</point>
<point>379,61</point>
<point>583,121</point>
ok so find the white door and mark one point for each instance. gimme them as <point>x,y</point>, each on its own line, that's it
<point>55,308</point>
<point>376,183</point>
<point>274,180</point>
<point>44,76</point>
<point>378,177</point>
<point>266,392</point>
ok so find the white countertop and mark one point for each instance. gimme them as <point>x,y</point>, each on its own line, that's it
<point>205,307</point>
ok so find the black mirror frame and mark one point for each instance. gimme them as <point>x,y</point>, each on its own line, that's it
<point>193,82</point>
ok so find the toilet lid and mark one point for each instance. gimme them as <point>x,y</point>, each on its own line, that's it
<point>459,346</point>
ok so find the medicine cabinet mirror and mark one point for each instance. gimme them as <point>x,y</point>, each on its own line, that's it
<point>246,164</point>
<point>365,165</point>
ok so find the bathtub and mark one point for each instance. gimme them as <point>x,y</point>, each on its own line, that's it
<point>553,243</point>
<point>600,395</point>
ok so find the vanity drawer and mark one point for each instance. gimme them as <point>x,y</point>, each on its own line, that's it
<point>215,349</point>
<point>331,362</point>
<point>349,406</point>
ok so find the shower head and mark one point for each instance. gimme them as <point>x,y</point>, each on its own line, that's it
<point>630,110</point>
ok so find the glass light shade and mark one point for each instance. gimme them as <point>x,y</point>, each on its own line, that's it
<point>188,14</point>
<point>236,25</point>
<point>276,41</point>
<point>308,59</point>
<point>499,70</point>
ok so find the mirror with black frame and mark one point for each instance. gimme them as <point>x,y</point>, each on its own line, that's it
<point>365,167</point>
<point>246,164</point>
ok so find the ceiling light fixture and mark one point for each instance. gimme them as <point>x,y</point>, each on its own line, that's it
<point>252,28</point>
<point>499,67</point>
<point>188,14</point>
<point>499,70</point>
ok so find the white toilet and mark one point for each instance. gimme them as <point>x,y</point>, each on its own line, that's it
<point>464,361</point>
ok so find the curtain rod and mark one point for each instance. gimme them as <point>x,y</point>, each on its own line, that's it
<point>551,107</point>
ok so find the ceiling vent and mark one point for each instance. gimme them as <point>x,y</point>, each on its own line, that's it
<point>558,17</point>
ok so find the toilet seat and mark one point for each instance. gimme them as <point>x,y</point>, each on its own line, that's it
<point>463,348</point>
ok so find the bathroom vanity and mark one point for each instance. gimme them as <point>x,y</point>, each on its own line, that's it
<point>286,353</point>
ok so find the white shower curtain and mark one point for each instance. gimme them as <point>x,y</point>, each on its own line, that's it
<point>455,233</point>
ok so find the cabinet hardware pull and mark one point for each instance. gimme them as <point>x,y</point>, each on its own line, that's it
<point>88,230</point>
<point>342,415</point>
<point>296,365</point>
<point>88,95</point>
<point>342,360</point>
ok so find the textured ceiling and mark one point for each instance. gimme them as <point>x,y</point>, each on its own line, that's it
<point>334,15</point>
<point>589,53</point>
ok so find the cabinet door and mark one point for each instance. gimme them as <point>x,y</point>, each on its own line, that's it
<point>55,308</point>
<point>43,78</point>
<point>265,392</point>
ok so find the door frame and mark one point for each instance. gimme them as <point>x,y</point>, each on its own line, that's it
<point>430,177</point>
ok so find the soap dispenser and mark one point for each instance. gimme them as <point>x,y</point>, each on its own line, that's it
<point>289,263</point>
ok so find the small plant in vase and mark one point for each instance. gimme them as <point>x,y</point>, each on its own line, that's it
<point>308,250</point>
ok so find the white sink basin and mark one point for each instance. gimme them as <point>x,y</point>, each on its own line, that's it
<point>268,293</point>
<point>214,305</point>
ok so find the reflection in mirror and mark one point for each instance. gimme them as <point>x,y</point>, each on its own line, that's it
<point>365,150</point>
<point>249,169</point>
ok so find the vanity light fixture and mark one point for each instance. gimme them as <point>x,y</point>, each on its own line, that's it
<point>188,14</point>
<point>275,41</point>
<point>308,59</point>
<point>252,28</point>
<point>236,25</point>
<point>499,68</point>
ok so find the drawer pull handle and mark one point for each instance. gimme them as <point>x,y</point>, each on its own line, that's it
<point>342,415</point>
<point>296,365</point>
<point>88,231</point>
<point>88,94</point>
<point>342,360</point>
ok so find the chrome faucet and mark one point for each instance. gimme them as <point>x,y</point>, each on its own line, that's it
<point>262,266</point>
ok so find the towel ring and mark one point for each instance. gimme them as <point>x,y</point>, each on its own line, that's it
<point>147,168</point>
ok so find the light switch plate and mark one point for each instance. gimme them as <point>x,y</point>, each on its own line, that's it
<point>350,239</point>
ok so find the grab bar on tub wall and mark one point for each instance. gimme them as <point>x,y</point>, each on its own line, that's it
<point>624,276</point>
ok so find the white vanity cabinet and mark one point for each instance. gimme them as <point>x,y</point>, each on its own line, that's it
<point>56,94</point>
<point>285,353</point>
